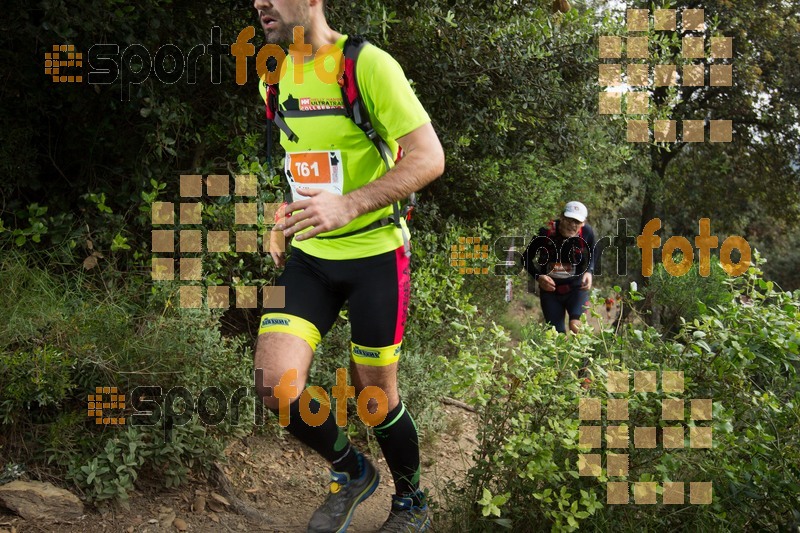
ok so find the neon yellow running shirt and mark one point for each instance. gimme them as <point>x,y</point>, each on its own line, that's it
<point>394,111</point>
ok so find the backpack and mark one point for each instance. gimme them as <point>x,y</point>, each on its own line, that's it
<point>356,111</point>
<point>550,234</point>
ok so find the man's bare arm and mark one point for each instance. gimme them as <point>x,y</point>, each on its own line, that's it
<point>422,162</point>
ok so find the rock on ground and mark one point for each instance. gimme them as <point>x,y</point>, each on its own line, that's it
<point>34,500</point>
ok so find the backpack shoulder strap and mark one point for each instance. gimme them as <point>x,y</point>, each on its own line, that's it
<point>551,229</point>
<point>358,113</point>
<point>351,96</point>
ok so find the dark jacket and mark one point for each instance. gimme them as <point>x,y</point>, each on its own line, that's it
<point>564,260</point>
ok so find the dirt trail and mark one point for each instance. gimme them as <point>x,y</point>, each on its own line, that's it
<point>277,476</point>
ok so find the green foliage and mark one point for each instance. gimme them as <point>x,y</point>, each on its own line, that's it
<point>677,299</point>
<point>745,357</point>
<point>62,337</point>
<point>40,377</point>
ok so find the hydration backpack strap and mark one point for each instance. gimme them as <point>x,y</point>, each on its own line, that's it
<point>357,111</point>
<point>275,116</point>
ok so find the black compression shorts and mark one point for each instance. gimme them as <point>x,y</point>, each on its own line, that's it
<point>376,288</point>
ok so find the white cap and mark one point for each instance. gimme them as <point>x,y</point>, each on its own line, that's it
<point>576,210</point>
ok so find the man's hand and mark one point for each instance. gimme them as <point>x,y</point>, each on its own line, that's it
<point>277,246</point>
<point>323,210</point>
<point>586,281</point>
<point>546,283</point>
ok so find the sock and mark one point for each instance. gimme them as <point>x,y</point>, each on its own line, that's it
<point>400,445</point>
<point>327,439</point>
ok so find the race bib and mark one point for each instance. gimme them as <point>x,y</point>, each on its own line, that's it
<point>314,170</point>
<point>562,271</point>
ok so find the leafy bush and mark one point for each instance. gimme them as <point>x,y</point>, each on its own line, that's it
<point>63,337</point>
<point>673,298</point>
<point>744,357</point>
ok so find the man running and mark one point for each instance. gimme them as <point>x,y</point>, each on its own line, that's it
<point>561,260</point>
<point>347,247</point>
